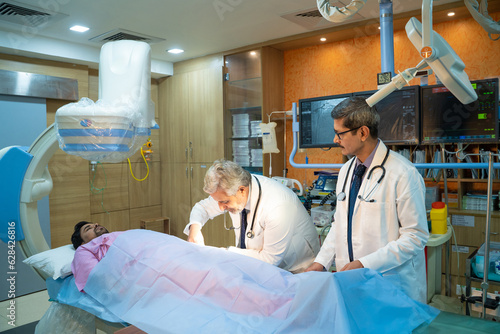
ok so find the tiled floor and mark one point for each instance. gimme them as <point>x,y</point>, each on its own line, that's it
<point>29,308</point>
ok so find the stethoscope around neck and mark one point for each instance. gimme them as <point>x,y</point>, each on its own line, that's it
<point>341,197</point>
<point>250,234</point>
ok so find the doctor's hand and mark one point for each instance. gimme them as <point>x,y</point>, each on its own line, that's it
<point>195,235</point>
<point>315,267</point>
<point>356,264</point>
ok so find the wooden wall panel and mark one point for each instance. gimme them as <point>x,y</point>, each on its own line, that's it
<point>273,100</point>
<point>93,86</point>
<point>175,122</point>
<point>176,196</point>
<point>65,212</point>
<point>154,97</point>
<point>147,212</point>
<point>115,179</point>
<point>147,192</point>
<point>114,221</point>
<point>206,112</point>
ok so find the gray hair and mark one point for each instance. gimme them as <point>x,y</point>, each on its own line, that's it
<point>356,113</point>
<point>227,176</point>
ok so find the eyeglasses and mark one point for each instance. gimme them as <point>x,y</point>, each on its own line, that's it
<point>338,134</point>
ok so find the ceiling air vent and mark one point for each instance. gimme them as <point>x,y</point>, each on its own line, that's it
<point>122,34</point>
<point>26,15</point>
<point>311,19</point>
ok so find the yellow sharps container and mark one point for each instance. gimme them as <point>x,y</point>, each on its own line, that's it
<point>439,214</point>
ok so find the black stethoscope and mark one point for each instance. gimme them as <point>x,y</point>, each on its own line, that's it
<point>250,234</point>
<point>342,196</point>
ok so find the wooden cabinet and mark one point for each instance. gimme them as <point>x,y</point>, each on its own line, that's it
<point>205,115</point>
<point>253,88</point>
<point>193,139</point>
<point>175,121</point>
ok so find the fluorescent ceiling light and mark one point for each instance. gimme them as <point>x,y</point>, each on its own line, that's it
<point>79,28</point>
<point>451,14</point>
<point>322,39</point>
<point>175,51</point>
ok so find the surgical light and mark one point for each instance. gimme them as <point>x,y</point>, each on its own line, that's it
<point>437,54</point>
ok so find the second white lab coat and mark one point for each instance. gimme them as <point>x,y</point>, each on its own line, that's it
<point>284,233</point>
<point>389,234</point>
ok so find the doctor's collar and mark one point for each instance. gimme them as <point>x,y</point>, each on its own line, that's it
<point>368,161</point>
<point>248,204</point>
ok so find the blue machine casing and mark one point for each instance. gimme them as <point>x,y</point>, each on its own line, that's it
<point>13,166</point>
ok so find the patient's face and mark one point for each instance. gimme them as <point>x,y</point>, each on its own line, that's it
<point>233,204</point>
<point>91,231</point>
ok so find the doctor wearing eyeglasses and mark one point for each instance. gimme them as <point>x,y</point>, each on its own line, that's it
<point>380,220</point>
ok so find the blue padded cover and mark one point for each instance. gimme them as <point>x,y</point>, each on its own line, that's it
<point>13,166</point>
<point>64,291</point>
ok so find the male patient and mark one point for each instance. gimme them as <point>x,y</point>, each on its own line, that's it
<point>89,249</point>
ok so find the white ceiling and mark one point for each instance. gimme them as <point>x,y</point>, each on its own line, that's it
<point>199,27</point>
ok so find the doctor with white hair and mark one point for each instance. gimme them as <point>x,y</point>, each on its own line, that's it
<point>269,221</point>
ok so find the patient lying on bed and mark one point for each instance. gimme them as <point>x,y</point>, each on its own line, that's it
<point>91,241</point>
<point>163,284</point>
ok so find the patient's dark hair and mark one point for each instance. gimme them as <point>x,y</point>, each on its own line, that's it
<point>76,239</point>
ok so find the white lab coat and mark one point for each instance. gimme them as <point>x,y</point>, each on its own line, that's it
<point>389,234</point>
<point>284,233</point>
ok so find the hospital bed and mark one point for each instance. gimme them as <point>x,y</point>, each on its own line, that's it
<point>319,300</point>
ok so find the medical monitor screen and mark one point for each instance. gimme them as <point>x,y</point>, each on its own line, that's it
<point>399,115</point>
<point>316,122</point>
<point>447,120</point>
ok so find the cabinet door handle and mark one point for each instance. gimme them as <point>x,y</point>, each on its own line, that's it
<point>187,176</point>
<point>491,233</point>
<point>186,153</point>
<point>191,149</point>
<point>191,172</point>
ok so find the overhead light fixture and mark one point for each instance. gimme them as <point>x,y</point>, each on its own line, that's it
<point>322,39</point>
<point>451,14</point>
<point>79,28</point>
<point>175,51</point>
<point>253,53</point>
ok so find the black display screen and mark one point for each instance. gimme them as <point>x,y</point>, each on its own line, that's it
<point>399,115</point>
<point>316,122</point>
<point>447,120</point>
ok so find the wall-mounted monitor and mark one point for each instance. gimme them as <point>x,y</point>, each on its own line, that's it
<point>399,115</point>
<point>316,122</point>
<point>447,120</point>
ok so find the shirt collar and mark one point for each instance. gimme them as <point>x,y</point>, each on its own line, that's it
<point>368,160</point>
